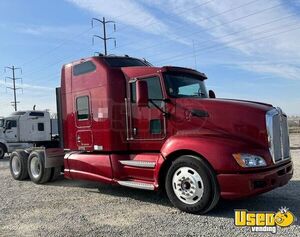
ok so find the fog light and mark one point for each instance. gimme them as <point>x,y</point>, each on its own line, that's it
<point>249,160</point>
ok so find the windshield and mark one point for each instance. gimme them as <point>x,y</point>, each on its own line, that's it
<point>181,85</point>
<point>1,123</point>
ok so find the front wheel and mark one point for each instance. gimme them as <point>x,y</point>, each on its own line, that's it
<point>2,151</point>
<point>191,185</point>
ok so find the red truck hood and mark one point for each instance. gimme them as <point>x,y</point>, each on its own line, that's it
<point>233,118</point>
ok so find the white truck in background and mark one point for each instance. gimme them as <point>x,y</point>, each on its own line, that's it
<point>24,129</point>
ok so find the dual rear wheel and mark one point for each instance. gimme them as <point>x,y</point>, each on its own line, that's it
<point>24,165</point>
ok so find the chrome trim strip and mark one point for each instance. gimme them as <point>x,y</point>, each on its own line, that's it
<point>136,163</point>
<point>126,114</point>
<point>283,134</point>
<point>138,185</point>
<point>269,124</point>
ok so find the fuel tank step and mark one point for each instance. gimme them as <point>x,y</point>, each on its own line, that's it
<point>137,163</point>
<point>133,184</point>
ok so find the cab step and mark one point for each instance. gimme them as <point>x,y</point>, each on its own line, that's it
<point>137,163</point>
<point>134,184</point>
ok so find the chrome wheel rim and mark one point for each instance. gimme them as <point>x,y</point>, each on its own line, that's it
<point>16,165</point>
<point>35,167</point>
<point>187,185</point>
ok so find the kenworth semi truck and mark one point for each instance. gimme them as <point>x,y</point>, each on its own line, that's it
<point>123,121</point>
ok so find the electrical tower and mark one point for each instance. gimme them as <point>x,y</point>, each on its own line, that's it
<point>14,88</point>
<point>104,38</point>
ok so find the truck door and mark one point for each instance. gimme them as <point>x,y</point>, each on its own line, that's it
<point>147,125</point>
<point>83,121</point>
<point>11,131</point>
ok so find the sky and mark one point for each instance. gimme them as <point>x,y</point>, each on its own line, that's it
<point>249,49</point>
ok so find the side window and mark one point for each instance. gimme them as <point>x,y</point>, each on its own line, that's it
<point>82,107</point>
<point>133,92</point>
<point>36,114</point>
<point>154,91</point>
<point>154,88</point>
<point>41,127</point>
<point>83,68</point>
<point>11,124</point>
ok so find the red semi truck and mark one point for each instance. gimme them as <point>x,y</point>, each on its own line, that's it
<point>126,122</point>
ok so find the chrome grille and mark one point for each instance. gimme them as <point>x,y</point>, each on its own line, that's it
<point>278,135</point>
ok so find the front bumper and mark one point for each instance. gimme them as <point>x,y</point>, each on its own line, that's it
<point>241,185</point>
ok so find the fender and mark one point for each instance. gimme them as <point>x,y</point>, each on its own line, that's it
<point>216,150</point>
<point>3,142</point>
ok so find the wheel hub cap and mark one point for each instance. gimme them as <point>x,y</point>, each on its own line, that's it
<point>35,167</point>
<point>187,185</point>
<point>15,165</point>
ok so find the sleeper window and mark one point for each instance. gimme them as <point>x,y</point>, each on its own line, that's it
<point>41,127</point>
<point>82,107</point>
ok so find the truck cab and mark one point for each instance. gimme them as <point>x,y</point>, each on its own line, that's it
<point>126,122</point>
<point>23,129</point>
<point>146,121</point>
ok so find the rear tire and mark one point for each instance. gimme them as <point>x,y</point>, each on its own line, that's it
<point>36,168</point>
<point>191,185</point>
<point>18,165</point>
<point>2,150</point>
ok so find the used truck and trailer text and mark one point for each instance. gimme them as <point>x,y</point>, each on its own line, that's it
<point>123,121</point>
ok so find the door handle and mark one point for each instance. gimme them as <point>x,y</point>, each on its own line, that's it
<point>78,139</point>
<point>134,131</point>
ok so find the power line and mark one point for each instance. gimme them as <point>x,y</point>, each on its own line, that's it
<point>14,88</point>
<point>46,53</point>
<point>56,47</point>
<point>214,27</point>
<point>216,48</point>
<point>80,50</point>
<point>201,20</point>
<point>226,11</point>
<point>204,41</point>
<point>186,10</point>
<point>83,32</point>
<point>250,28</point>
<point>60,60</point>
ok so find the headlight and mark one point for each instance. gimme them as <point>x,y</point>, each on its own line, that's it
<point>249,160</point>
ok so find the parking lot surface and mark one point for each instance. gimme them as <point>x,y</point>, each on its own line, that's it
<point>76,208</point>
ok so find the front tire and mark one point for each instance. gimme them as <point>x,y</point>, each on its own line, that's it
<point>36,168</point>
<point>191,185</point>
<point>2,151</point>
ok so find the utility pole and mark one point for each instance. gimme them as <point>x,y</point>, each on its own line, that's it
<point>14,88</point>
<point>104,38</point>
